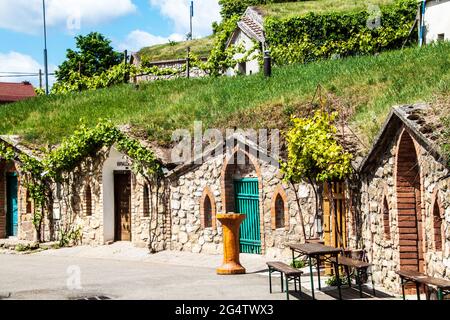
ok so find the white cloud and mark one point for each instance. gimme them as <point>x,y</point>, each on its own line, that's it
<point>139,39</point>
<point>205,13</point>
<point>18,62</point>
<point>26,15</point>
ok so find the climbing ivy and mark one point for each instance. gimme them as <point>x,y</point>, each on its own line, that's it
<point>117,74</point>
<point>302,39</point>
<point>39,175</point>
<point>221,57</point>
<point>445,145</point>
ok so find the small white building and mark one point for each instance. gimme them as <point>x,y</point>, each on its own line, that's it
<point>435,21</point>
<point>249,31</point>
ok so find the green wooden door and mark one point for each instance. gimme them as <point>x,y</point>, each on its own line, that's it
<point>12,218</point>
<point>247,202</point>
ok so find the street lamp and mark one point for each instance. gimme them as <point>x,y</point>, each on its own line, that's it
<point>45,50</point>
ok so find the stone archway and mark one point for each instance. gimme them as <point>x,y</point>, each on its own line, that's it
<point>239,165</point>
<point>241,188</point>
<point>409,205</point>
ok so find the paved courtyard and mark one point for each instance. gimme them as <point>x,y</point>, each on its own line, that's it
<point>121,271</point>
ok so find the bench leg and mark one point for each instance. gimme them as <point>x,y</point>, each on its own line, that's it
<point>295,283</point>
<point>358,279</point>
<point>270,279</point>
<point>311,277</point>
<point>318,271</point>
<point>418,291</point>
<point>286,279</point>
<point>300,283</point>
<point>338,277</point>
<point>293,258</point>
<point>373,283</point>
<point>347,271</point>
<point>281,273</point>
<point>440,295</point>
<point>403,288</point>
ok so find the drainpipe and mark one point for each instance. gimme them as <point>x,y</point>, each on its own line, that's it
<point>422,23</point>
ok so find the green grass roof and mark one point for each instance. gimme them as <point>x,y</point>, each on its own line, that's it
<point>201,47</point>
<point>368,85</point>
<point>287,9</point>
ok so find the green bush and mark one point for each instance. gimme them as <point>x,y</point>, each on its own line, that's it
<point>309,37</point>
<point>332,281</point>
<point>298,264</point>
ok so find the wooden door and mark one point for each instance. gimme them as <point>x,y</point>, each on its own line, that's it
<point>331,231</point>
<point>331,236</point>
<point>122,205</point>
<point>12,209</point>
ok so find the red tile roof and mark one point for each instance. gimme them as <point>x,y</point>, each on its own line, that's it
<point>11,92</point>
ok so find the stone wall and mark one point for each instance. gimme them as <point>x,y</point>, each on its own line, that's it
<point>178,65</point>
<point>379,181</point>
<point>146,231</point>
<point>186,194</point>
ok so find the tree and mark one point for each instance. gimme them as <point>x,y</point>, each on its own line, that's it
<point>315,155</point>
<point>94,56</point>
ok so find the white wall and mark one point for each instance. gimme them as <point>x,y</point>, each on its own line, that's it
<point>437,20</point>
<point>252,66</point>
<point>114,162</point>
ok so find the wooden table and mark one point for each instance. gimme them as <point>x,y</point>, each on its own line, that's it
<point>319,252</point>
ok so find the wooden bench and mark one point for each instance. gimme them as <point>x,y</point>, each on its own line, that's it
<point>289,273</point>
<point>359,266</point>
<point>419,278</point>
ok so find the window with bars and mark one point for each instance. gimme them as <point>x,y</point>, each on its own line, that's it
<point>146,201</point>
<point>88,200</point>
<point>207,212</point>
<point>279,212</point>
<point>437,226</point>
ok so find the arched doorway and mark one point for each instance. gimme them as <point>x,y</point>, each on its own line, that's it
<point>240,189</point>
<point>409,205</point>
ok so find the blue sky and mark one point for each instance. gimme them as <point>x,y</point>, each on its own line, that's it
<point>129,24</point>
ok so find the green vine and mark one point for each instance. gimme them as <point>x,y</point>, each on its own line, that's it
<point>302,39</point>
<point>39,175</point>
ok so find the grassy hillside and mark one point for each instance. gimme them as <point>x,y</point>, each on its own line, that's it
<point>201,47</point>
<point>369,86</point>
<point>288,9</point>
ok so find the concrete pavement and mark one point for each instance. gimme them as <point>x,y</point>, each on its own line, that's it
<point>121,271</point>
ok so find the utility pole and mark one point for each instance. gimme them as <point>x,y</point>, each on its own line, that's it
<point>188,60</point>
<point>40,78</point>
<point>191,15</point>
<point>45,50</point>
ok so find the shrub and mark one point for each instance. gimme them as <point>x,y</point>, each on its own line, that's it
<point>332,281</point>
<point>301,39</point>
<point>298,264</point>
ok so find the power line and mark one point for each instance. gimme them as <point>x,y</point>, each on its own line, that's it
<point>23,75</point>
<point>13,72</point>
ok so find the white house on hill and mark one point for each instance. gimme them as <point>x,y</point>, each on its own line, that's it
<point>435,21</point>
<point>250,30</point>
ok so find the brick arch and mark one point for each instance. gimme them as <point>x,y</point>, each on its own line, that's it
<point>226,180</point>
<point>409,199</point>
<point>208,196</point>
<point>279,193</point>
<point>437,214</point>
